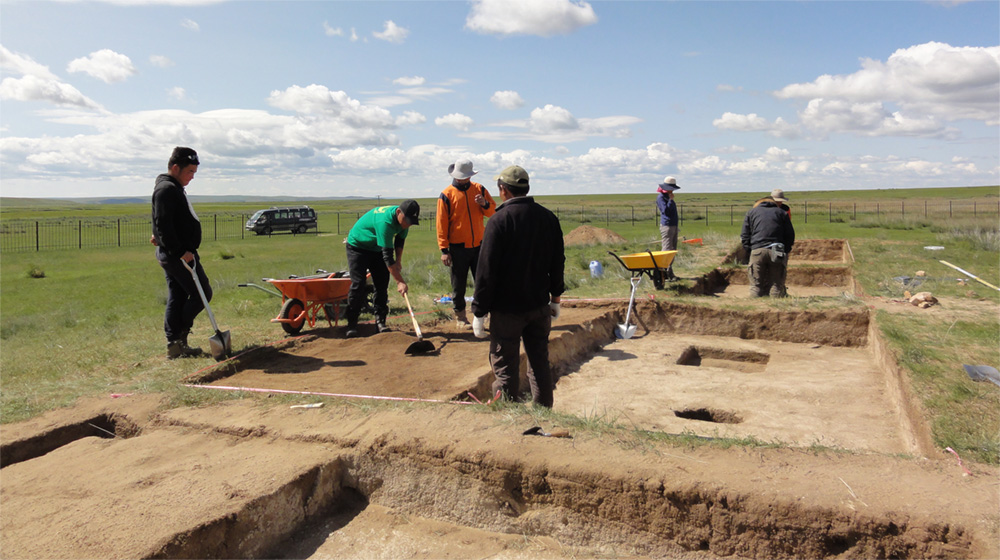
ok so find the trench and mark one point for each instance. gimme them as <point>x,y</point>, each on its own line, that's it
<point>104,426</point>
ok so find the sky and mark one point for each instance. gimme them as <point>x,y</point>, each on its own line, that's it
<point>377,98</point>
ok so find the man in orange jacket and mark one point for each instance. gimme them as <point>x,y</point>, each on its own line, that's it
<point>461,209</point>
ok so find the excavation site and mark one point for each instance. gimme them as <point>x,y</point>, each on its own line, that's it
<point>724,427</point>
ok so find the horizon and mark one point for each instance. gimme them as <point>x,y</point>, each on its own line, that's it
<point>340,99</point>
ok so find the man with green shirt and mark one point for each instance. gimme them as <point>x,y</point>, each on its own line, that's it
<point>375,246</point>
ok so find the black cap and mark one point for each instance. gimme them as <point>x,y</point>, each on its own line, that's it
<point>411,210</point>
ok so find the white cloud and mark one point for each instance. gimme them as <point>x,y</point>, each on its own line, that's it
<point>24,65</point>
<point>509,100</point>
<point>529,17</point>
<point>332,31</point>
<point>409,81</point>
<point>190,25</point>
<point>457,121</point>
<point>552,118</point>
<point>34,88</point>
<point>177,93</point>
<point>316,100</point>
<point>354,35</point>
<point>160,60</point>
<point>931,83</point>
<point>392,33</point>
<point>755,123</point>
<point>105,65</point>
<point>410,118</point>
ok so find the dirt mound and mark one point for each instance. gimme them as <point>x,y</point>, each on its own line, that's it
<point>590,235</point>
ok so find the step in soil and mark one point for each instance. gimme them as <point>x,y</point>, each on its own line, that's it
<point>242,480</point>
<point>796,394</point>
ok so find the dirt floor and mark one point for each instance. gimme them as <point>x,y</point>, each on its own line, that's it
<point>422,469</point>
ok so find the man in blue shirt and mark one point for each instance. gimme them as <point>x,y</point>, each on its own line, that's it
<point>668,220</point>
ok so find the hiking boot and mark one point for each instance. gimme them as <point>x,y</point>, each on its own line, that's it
<point>180,349</point>
<point>352,330</point>
<point>462,319</point>
<point>381,327</point>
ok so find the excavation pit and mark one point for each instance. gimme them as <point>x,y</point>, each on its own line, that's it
<point>708,415</point>
<point>746,361</point>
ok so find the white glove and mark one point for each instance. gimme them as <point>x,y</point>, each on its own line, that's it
<point>479,327</point>
<point>554,309</point>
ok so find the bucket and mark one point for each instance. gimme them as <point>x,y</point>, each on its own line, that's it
<point>596,269</point>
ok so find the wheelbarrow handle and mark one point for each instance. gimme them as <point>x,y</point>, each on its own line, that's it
<point>261,288</point>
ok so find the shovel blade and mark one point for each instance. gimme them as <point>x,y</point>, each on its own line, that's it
<point>221,345</point>
<point>420,347</point>
<point>625,331</point>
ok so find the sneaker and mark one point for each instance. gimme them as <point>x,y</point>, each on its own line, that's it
<point>178,349</point>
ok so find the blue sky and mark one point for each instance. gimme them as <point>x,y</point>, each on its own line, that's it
<point>347,98</point>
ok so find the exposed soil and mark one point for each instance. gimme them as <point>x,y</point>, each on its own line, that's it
<point>851,473</point>
<point>590,235</point>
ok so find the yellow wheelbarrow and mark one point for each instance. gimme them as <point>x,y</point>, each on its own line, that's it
<point>652,263</point>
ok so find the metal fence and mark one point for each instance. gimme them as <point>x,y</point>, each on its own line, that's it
<point>82,233</point>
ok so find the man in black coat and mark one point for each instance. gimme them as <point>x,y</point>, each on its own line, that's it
<point>177,236</point>
<point>519,283</point>
<point>767,236</point>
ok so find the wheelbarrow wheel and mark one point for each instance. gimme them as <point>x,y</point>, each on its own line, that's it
<point>290,309</point>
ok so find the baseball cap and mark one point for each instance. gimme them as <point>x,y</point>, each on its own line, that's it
<point>515,176</point>
<point>411,210</point>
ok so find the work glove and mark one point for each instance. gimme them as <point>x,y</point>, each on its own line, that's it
<point>554,309</point>
<point>479,327</point>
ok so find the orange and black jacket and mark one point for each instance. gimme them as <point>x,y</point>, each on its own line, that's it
<point>460,218</point>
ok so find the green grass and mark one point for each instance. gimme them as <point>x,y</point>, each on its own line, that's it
<point>89,322</point>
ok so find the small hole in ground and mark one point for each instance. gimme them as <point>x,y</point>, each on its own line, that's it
<point>708,415</point>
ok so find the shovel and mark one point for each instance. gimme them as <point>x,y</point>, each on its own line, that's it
<point>625,330</point>
<point>421,346</point>
<point>220,343</point>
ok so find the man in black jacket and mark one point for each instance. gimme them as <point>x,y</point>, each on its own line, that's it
<point>767,236</point>
<point>177,236</point>
<point>519,283</point>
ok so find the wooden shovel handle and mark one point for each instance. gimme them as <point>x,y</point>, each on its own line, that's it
<point>416,327</point>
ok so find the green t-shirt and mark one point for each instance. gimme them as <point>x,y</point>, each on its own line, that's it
<point>377,229</point>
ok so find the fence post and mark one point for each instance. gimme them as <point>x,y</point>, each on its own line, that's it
<point>79,233</point>
<point>730,214</point>
<point>973,208</point>
<point>215,226</point>
<point>925,209</point>
<point>119,232</point>
<point>805,213</point>
<point>633,215</point>
<point>682,215</point>
<point>855,218</point>
<point>706,214</point>
<point>878,211</point>
<point>949,208</point>
<point>607,217</point>
<point>36,237</point>
<point>831,212</point>
<point>338,223</point>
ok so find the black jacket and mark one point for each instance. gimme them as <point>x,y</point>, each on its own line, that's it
<point>765,224</point>
<point>521,259</point>
<point>175,225</point>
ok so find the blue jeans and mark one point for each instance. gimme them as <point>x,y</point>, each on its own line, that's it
<point>183,301</point>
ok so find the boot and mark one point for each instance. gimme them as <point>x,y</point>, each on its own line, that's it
<point>179,349</point>
<point>380,325</point>
<point>462,319</point>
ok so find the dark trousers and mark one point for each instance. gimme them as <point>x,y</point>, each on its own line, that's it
<point>463,261</point>
<point>767,275</point>
<point>507,330</point>
<point>183,301</point>
<point>359,264</point>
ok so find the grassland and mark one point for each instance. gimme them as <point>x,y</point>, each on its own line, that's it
<point>89,322</point>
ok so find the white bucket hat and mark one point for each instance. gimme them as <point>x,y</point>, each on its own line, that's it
<point>669,184</point>
<point>778,195</point>
<point>461,169</point>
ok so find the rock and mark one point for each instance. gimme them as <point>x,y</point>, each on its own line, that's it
<point>923,300</point>
<point>921,273</point>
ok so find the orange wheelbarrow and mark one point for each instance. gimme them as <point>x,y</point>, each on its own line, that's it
<point>651,263</point>
<point>303,297</point>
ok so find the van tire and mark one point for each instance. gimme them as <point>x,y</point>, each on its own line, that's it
<point>266,231</point>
